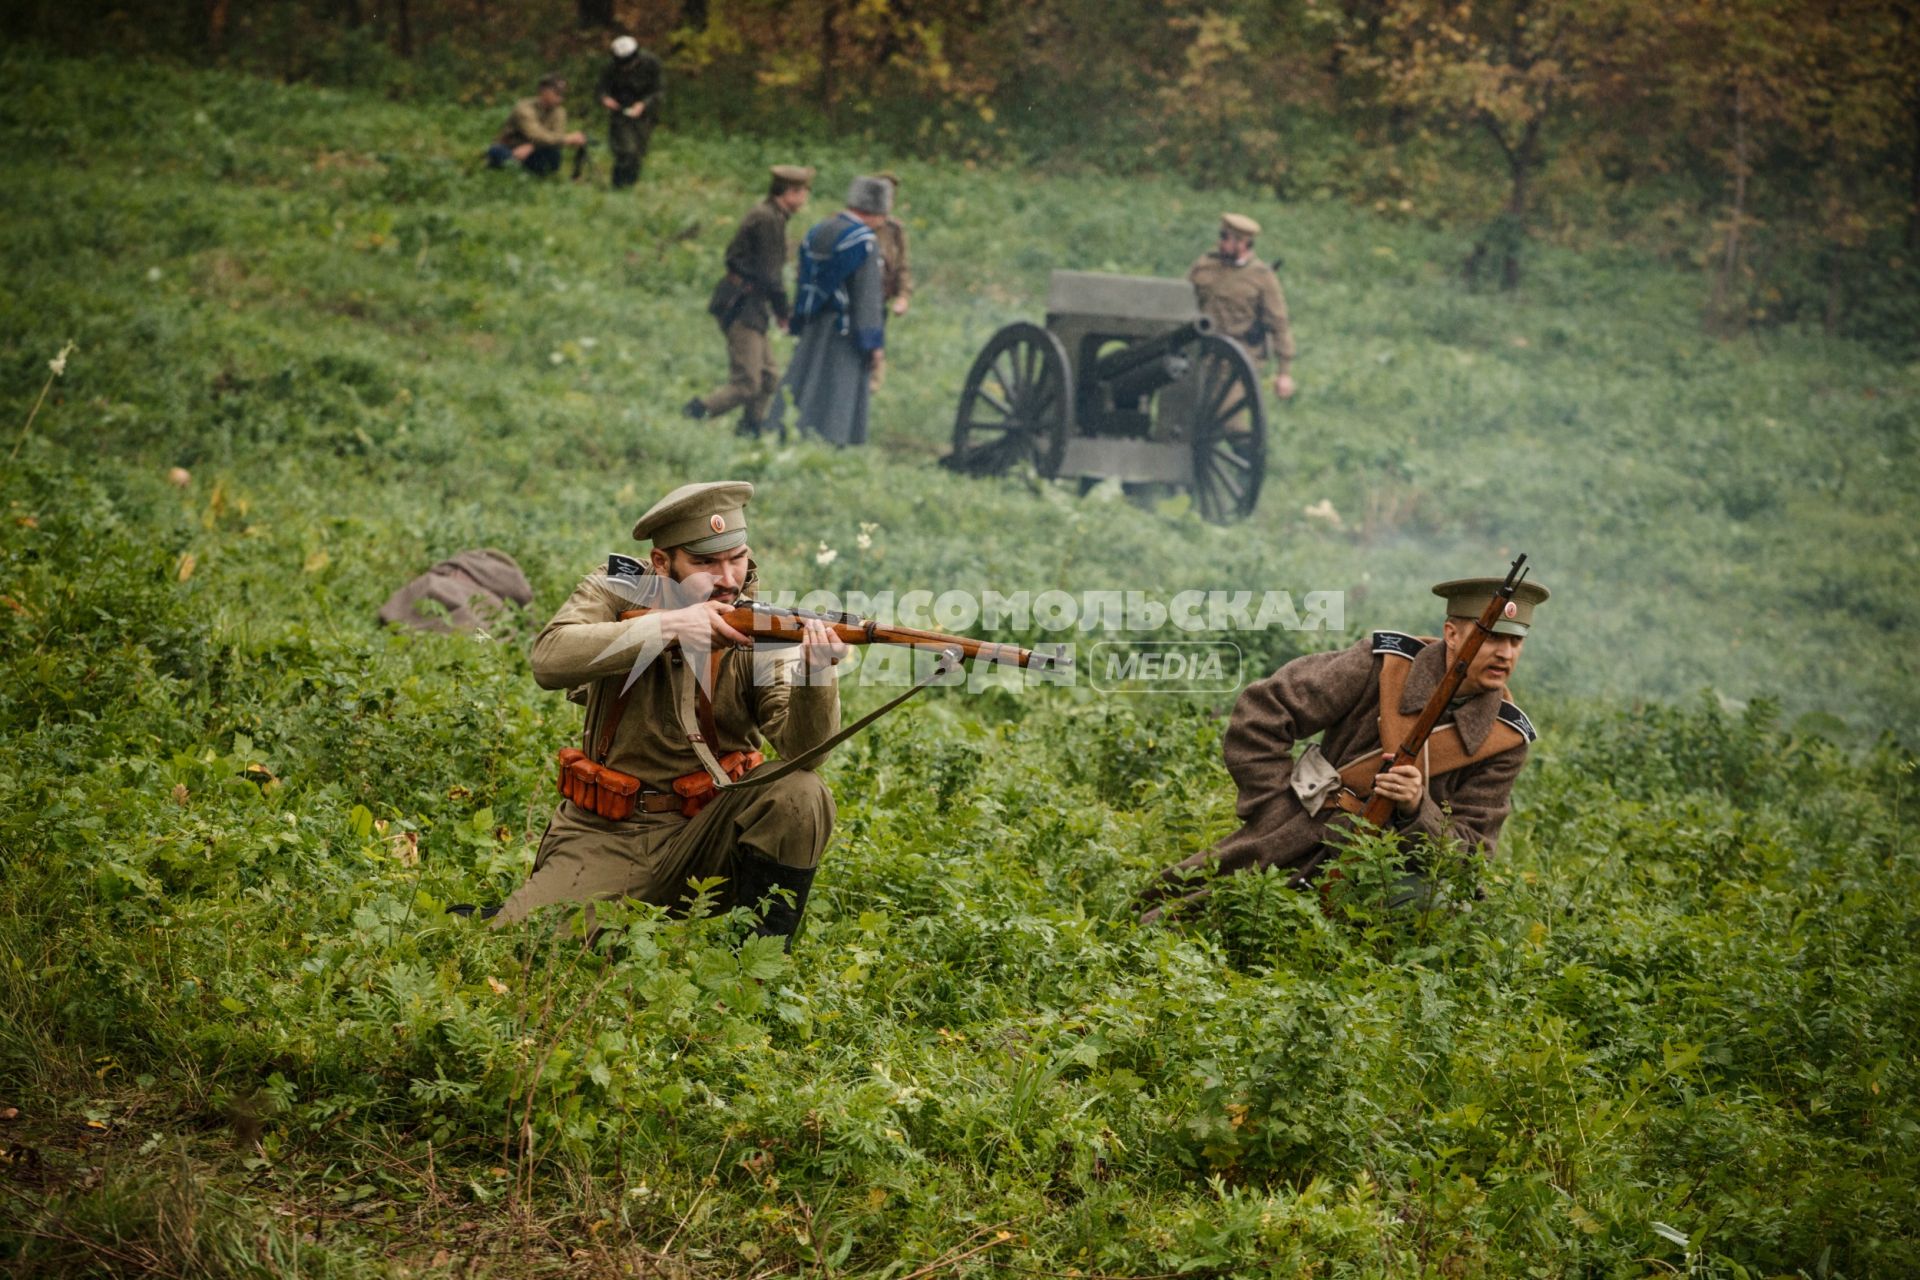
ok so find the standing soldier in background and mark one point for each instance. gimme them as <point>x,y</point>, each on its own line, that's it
<point>535,131</point>
<point>750,297</point>
<point>629,88</point>
<point>1241,295</point>
<point>839,315</point>
<point>896,276</point>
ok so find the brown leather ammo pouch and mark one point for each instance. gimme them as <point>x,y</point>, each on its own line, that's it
<point>590,784</point>
<point>696,790</point>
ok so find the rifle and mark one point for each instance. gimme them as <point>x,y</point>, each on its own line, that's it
<point>582,161</point>
<point>1379,809</point>
<point>769,622</point>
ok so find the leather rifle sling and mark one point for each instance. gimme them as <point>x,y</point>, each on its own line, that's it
<point>1444,751</point>
<point>611,724</point>
<point>947,662</point>
<point>696,717</point>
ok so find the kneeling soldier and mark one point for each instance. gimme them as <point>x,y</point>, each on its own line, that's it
<point>1460,788</point>
<point>535,132</point>
<point>677,700</point>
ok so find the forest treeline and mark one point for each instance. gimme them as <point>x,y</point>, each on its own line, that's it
<point>1773,147</point>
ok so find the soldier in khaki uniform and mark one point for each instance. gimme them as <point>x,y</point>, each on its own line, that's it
<point>896,273</point>
<point>535,131</point>
<point>678,720</point>
<point>1461,788</point>
<point>750,298</point>
<point>1242,297</point>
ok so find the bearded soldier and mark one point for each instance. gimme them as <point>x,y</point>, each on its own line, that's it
<point>678,704</point>
<point>1242,297</point>
<point>1459,788</point>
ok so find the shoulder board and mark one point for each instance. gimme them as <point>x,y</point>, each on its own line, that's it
<point>1398,643</point>
<point>619,566</point>
<point>1516,718</point>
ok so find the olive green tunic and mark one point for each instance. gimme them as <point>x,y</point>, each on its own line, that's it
<point>754,292</point>
<point>747,300</point>
<point>1244,301</point>
<point>531,122</point>
<point>755,700</point>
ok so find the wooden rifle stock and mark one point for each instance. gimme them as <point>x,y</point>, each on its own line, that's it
<point>767,622</point>
<point>1379,808</point>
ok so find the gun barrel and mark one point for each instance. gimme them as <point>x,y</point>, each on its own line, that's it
<point>1141,381</point>
<point>1111,367</point>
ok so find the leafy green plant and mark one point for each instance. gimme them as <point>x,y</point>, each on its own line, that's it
<point>234,810</point>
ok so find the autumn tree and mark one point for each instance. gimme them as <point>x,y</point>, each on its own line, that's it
<point>1510,69</point>
<point>1805,108</point>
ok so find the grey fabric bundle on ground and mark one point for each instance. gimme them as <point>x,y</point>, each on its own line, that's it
<point>473,588</point>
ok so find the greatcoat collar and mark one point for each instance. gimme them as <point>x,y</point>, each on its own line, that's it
<point>1474,718</point>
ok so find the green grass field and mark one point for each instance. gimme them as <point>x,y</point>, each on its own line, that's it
<point>1679,1035</point>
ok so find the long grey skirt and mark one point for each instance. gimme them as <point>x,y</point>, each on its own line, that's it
<point>827,378</point>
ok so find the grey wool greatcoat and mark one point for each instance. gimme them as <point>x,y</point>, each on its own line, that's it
<point>1339,693</point>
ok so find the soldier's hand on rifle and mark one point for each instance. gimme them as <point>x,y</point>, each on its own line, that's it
<point>705,624</point>
<point>1283,385</point>
<point>575,139</point>
<point>820,648</point>
<point>1403,785</point>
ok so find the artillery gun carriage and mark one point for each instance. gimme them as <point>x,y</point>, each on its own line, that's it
<point>1125,382</point>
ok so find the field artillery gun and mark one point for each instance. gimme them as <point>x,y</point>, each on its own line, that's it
<point>1125,382</point>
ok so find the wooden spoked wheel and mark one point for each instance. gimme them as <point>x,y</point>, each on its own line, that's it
<point>1018,405</point>
<point>1227,431</point>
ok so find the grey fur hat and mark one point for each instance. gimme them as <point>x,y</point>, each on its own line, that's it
<point>870,195</point>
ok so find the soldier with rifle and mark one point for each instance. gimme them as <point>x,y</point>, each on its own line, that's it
<point>752,297</point>
<point>1420,738</point>
<point>669,783</point>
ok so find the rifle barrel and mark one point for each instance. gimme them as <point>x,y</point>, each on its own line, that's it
<point>766,622</point>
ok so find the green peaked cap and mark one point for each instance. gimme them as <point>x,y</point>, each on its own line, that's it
<point>1467,597</point>
<point>703,518</point>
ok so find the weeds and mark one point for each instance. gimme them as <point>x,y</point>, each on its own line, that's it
<point>242,1036</point>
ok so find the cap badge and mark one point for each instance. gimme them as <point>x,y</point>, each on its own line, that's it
<point>717,523</point>
<point>1511,610</point>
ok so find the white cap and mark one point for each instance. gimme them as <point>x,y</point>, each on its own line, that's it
<point>625,46</point>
